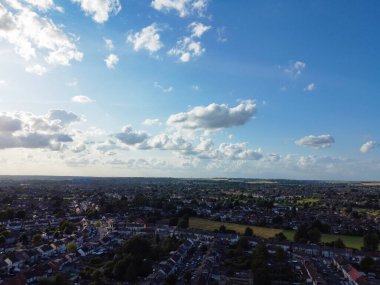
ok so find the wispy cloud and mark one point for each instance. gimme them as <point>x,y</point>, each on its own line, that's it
<point>163,89</point>
<point>82,99</point>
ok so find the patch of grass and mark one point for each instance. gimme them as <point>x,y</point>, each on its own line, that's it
<point>355,242</point>
<point>308,200</point>
<point>208,225</point>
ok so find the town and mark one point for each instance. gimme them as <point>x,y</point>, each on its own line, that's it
<point>81,230</point>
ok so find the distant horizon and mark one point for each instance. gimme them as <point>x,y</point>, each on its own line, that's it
<point>190,88</point>
<point>185,178</point>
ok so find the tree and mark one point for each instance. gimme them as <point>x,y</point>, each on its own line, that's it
<point>280,237</point>
<point>243,243</point>
<point>248,232</point>
<point>301,234</point>
<point>280,254</point>
<point>173,221</point>
<point>21,215</point>
<point>71,247</point>
<point>339,243</point>
<point>172,279</point>
<point>36,239</point>
<point>371,242</point>
<point>131,273</point>
<point>367,264</point>
<point>261,276</point>
<point>2,240</point>
<point>222,229</point>
<point>259,256</point>
<point>183,222</point>
<point>23,238</point>
<point>314,235</point>
<point>138,246</point>
<point>203,248</point>
<point>187,276</point>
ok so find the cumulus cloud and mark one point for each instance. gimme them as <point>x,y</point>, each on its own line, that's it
<point>369,145</point>
<point>322,141</point>
<point>182,7</point>
<point>214,116</point>
<point>26,130</point>
<point>295,69</point>
<point>111,61</point>
<point>99,10</point>
<point>238,151</point>
<point>226,151</point>
<point>148,38</point>
<point>36,69</point>
<point>64,117</point>
<point>82,99</point>
<point>131,137</point>
<point>163,89</point>
<point>164,141</point>
<point>34,36</point>
<point>189,47</point>
<point>79,148</point>
<point>152,122</point>
<point>310,87</point>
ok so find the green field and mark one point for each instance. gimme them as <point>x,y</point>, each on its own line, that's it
<point>208,225</point>
<point>308,200</point>
<point>204,224</point>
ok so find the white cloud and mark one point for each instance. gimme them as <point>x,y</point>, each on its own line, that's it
<point>111,61</point>
<point>44,5</point>
<point>310,87</point>
<point>195,87</point>
<point>163,89</point>
<point>214,116</point>
<point>36,37</point>
<point>221,31</point>
<point>295,69</point>
<point>82,99</point>
<point>109,44</point>
<point>238,151</point>
<point>163,141</point>
<point>36,69</point>
<point>190,47</point>
<point>148,38</point>
<point>198,29</point>
<point>26,130</point>
<point>152,122</point>
<point>131,137</point>
<point>322,141</point>
<point>62,116</point>
<point>79,148</point>
<point>99,10</point>
<point>366,147</point>
<point>3,83</point>
<point>182,7</point>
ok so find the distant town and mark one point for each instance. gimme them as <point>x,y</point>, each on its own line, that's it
<point>82,230</point>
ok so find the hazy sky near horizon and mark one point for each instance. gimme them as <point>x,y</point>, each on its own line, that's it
<point>190,88</point>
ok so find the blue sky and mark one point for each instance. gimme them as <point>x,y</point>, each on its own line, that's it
<point>190,88</point>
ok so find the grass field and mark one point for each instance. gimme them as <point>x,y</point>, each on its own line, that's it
<point>208,225</point>
<point>204,224</point>
<point>308,200</point>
